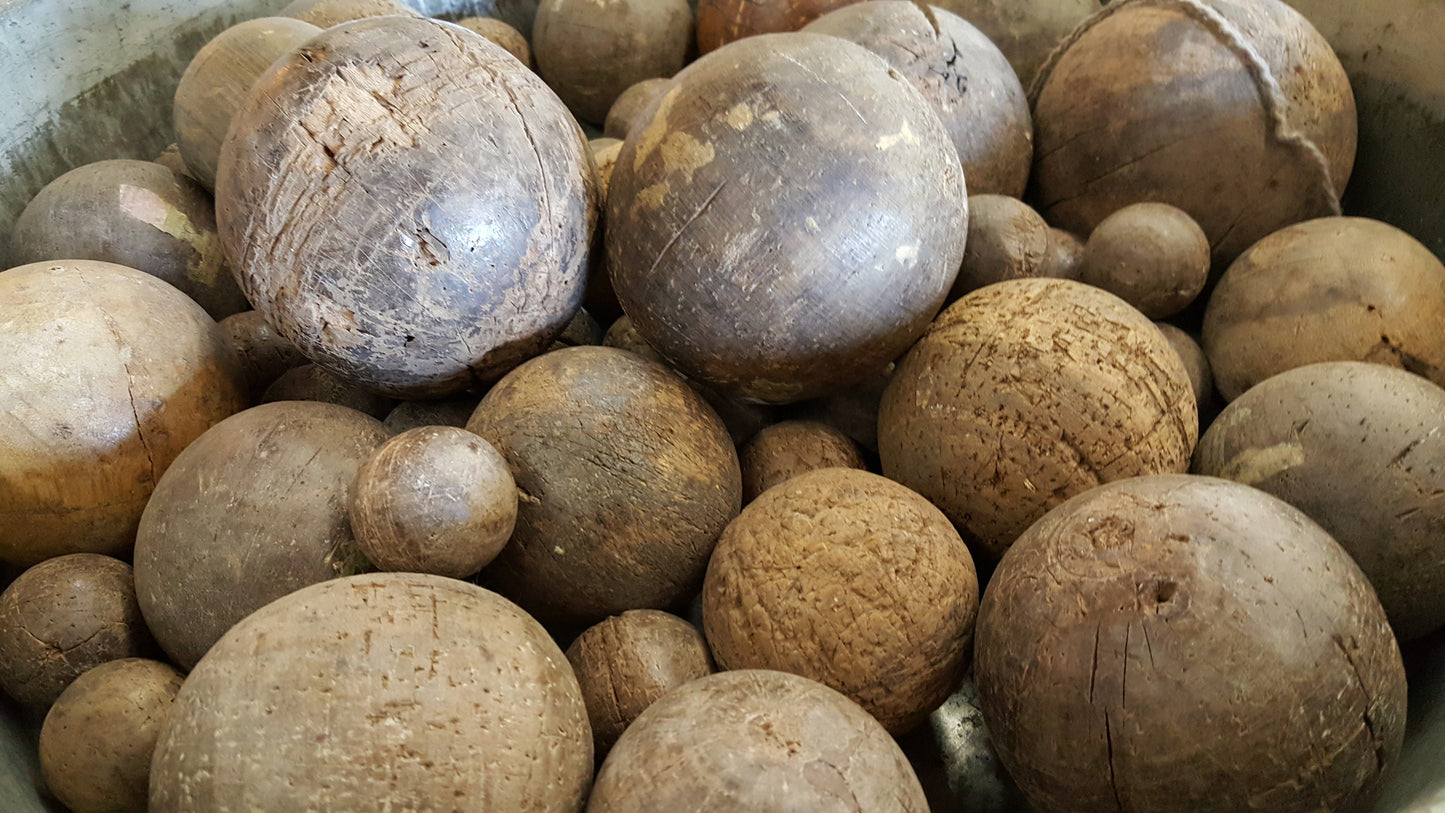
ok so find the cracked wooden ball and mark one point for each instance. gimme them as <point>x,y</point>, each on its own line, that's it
<point>728,240</point>
<point>1333,289</point>
<point>852,580</point>
<point>1193,645</point>
<point>408,205</point>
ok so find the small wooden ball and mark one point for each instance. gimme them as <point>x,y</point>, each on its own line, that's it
<point>502,34</point>
<point>624,664</point>
<point>1201,379</point>
<point>782,451</point>
<point>1006,240</point>
<point>436,499</point>
<point>854,412</point>
<point>312,383</point>
<point>453,411</point>
<point>63,617</point>
<point>264,353</point>
<point>1151,255</point>
<point>327,13</point>
<point>631,103</point>
<point>171,159</point>
<point>720,22</point>
<point>1065,257</point>
<point>1025,32</point>
<point>98,739</point>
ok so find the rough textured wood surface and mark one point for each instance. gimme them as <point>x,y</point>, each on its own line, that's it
<point>624,664</point>
<point>309,382</point>
<point>852,580</point>
<point>137,214</point>
<point>1236,111</point>
<point>1195,645</point>
<point>254,509</point>
<point>1359,448</point>
<point>782,451</point>
<point>109,374</point>
<point>63,617</point>
<point>961,73</point>
<point>264,353</point>
<point>1025,32</point>
<point>1026,393</point>
<point>720,22</point>
<point>755,740</point>
<point>389,691</point>
<point>98,739</point>
<point>631,103</point>
<point>219,79</point>
<point>443,177</point>
<point>1201,379</point>
<point>729,241</point>
<point>502,34</point>
<point>436,499</point>
<point>590,51</point>
<point>1151,255</point>
<point>327,13</point>
<point>627,477</point>
<point>1006,240</point>
<point>1333,289</point>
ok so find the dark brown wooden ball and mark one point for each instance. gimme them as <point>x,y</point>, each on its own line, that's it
<point>624,664</point>
<point>782,451</point>
<point>1201,379</point>
<point>453,411</point>
<point>627,477</point>
<point>327,13</point>
<point>1193,644</point>
<point>1151,255</point>
<point>854,411</point>
<point>1006,240</point>
<point>760,741</point>
<point>264,353</point>
<point>312,383</point>
<point>1065,257</point>
<point>64,617</point>
<point>502,34</point>
<point>252,510</point>
<point>631,103</point>
<point>788,220</point>
<point>720,22</point>
<point>408,205</point>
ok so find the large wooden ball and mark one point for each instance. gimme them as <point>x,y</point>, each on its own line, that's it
<point>1187,644</point>
<point>256,508</point>
<point>1026,393</point>
<point>408,205</point>
<point>961,73</point>
<point>788,220</point>
<point>390,691</point>
<point>627,477</point>
<point>109,373</point>
<point>1237,112</point>
<point>1333,289</point>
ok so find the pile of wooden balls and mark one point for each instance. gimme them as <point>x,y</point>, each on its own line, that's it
<point>389,445</point>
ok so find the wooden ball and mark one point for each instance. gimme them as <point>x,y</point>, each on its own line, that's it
<point>1334,289</point>
<point>854,412</point>
<point>97,741</point>
<point>327,13</point>
<point>720,22</point>
<point>264,353</point>
<point>63,617</point>
<point>1151,255</point>
<point>1193,645</point>
<point>1201,379</point>
<point>254,509</point>
<point>623,335</point>
<point>171,159</point>
<point>768,241</point>
<point>218,80</point>
<point>631,103</point>
<point>1026,393</point>
<point>755,740</point>
<point>431,237</point>
<point>388,691</point>
<point>1238,113</point>
<point>1006,240</point>
<point>624,664</point>
<point>782,451</point>
<point>882,611</point>
<point>453,411</point>
<point>963,75</point>
<point>1358,448</point>
<point>1065,257</point>
<point>591,52</point>
<point>311,383</point>
<point>137,214</point>
<point>1025,32</point>
<point>109,374</point>
<point>502,34</point>
<point>436,499</point>
<point>627,477</point>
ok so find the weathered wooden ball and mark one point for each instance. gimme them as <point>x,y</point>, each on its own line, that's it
<point>961,73</point>
<point>252,510</point>
<point>1025,32</point>
<point>386,691</point>
<point>1065,257</point>
<point>853,411</point>
<point>1239,113</point>
<point>502,34</point>
<point>328,13</point>
<point>109,373</point>
<point>782,451</point>
<point>453,411</point>
<point>1201,379</point>
<point>264,353</point>
<point>626,478</point>
<point>218,80</point>
<point>1007,239</point>
<point>755,740</point>
<point>1333,289</point>
<point>728,240</point>
<point>64,617</point>
<point>137,214</point>
<point>591,52</point>
<point>631,103</point>
<point>310,382</point>
<point>1194,645</point>
<point>625,663</point>
<point>436,499</point>
<point>852,580</point>
<point>720,22</point>
<point>1151,255</point>
<point>408,205</point>
<point>1026,393</point>
<point>98,738</point>
<point>1358,447</point>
